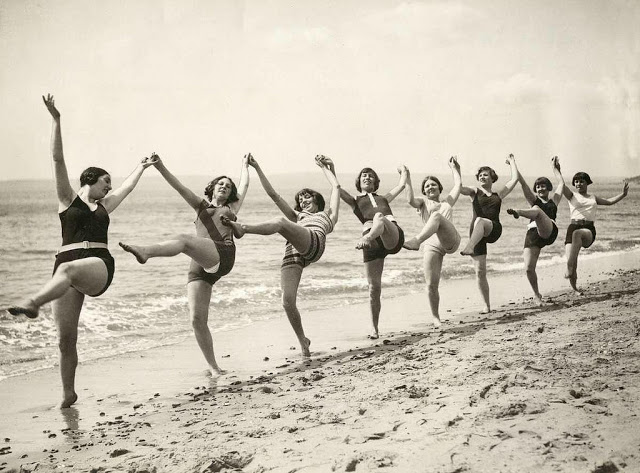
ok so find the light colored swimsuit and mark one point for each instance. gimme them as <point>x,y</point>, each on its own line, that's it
<point>433,243</point>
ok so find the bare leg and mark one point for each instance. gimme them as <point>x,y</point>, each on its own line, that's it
<point>66,312</point>
<point>289,282</point>
<point>436,223</point>
<point>373,270</point>
<point>543,223</point>
<point>530,260</point>
<point>480,263</point>
<point>202,250</point>
<point>481,228</point>
<point>432,270</point>
<point>199,296</point>
<point>87,275</point>
<point>381,227</point>
<point>297,235</point>
<point>581,238</point>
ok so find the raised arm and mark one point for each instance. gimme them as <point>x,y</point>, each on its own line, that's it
<point>526,190</point>
<point>452,198</point>
<point>64,190</point>
<point>344,195</point>
<point>555,164</point>
<point>271,192</point>
<point>243,186</point>
<point>511,183</point>
<point>334,201</point>
<point>411,198</point>
<point>566,192</point>
<point>617,198</point>
<point>395,192</point>
<point>116,197</point>
<point>187,194</point>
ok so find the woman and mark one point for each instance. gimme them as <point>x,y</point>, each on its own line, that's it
<point>485,223</point>
<point>305,228</point>
<point>581,233</point>
<point>543,230</point>
<point>439,234</point>
<point>381,235</point>
<point>212,250</point>
<point>83,264</point>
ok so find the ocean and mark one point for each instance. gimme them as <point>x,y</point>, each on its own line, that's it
<point>146,306</point>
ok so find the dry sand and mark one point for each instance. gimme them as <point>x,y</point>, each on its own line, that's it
<point>554,388</point>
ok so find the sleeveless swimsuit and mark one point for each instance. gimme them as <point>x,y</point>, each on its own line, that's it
<point>433,243</point>
<point>319,225</point>
<point>208,225</point>
<point>79,223</point>
<point>532,238</point>
<point>366,207</point>
<point>583,214</point>
<point>486,206</point>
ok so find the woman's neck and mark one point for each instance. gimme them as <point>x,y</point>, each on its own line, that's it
<point>85,194</point>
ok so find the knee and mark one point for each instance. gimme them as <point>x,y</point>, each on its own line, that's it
<point>379,216</point>
<point>432,288</point>
<point>66,271</point>
<point>436,216</point>
<point>481,273</point>
<point>67,344</point>
<point>531,270</point>
<point>288,302</point>
<point>375,288</point>
<point>199,320</point>
<point>280,221</point>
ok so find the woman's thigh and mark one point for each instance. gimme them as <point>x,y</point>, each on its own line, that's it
<point>203,251</point>
<point>390,235</point>
<point>87,275</point>
<point>447,234</point>
<point>297,235</point>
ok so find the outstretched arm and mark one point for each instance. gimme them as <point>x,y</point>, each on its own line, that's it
<point>243,186</point>
<point>526,190</point>
<point>187,194</point>
<point>411,198</point>
<point>116,197</point>
<point>334,202</point>
<point>555,164</point>
<point>395,192</point>
<point>271,192</point>
<point>64,190</point>
<point>452,198</point>
<point>617,198</point>
<point>344,195</point>
<point>511,183</point>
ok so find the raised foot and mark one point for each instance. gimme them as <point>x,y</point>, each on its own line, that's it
<point>136,251</point>
<point>27,308</point>
<point>412,244</point>
<point>236,228</point>
<point>513,212</point>
<point>364,242</point>
<point>68,400</point>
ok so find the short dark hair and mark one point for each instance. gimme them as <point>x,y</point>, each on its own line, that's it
<point>233,195</point>
<point>317,196</point>
<point>376,179</point>
<point>581,175</point>
<point>91,175</point>
<point>543,181</point>
<point>492,173</point>
<point>430,178</point>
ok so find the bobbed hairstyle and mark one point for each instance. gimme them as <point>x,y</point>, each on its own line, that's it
<point>317,197</point>
<point>492,173</point>
<point>543,181</point>
<point>91,175</point>
<point>376,179</point>
<point>430,178</point>
<point>581,175</point>
<point>233,195</point>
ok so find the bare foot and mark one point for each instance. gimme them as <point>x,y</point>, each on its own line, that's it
<point>435,320</point>
<point>365,242</point>
<point>136,251</point>
<point>412,244</point>
<point>373,335</point>
<point>513,212</point>
<point>236,228</point>
<point>216,371</point>
<point>68,400</point>
<point>537,299</point>
<point>486,310</point>
<point>305,347</point>
<point>27,308</point>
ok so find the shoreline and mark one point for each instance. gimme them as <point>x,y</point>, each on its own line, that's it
<point>259,356</point>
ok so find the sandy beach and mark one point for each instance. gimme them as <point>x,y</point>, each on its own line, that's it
<point>552,388</point>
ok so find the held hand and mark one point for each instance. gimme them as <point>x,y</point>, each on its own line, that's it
<point>150,161</point>
<point>51,106</point>
<point>453,163</point>
<point>252,161</point>
<point>555,163</point>
<point>402,169</point>
<point>510,159</point>
<point>245,159</point>
<point>625,188</point>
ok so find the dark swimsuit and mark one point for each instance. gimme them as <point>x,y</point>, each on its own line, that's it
<point>208,225</point>
<point>533,239</point>
<point>486,206</point>
<point>365,211</point>
<point>79,223</point>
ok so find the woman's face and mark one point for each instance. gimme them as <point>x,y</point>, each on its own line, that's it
<point>222,190</point>
<point>484,178</point>
<point>431,189</point>
<point>101,188</point>
<point>542,191</point>
<point>367,181</point>
<point>580,185</point>
<point>308,203</point>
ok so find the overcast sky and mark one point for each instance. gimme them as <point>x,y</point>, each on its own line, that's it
<point>374,83</point>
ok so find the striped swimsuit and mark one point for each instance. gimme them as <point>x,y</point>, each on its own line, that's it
<point>319,225</point>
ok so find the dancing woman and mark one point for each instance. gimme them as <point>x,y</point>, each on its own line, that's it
<point>83,264</point>
<point>212,250</point>
<point>305,228</point>
<point>581,233</point>
<point>439,234</point>
<point>485,223</point>
<point>543,230</point>
<point>381,235</point>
